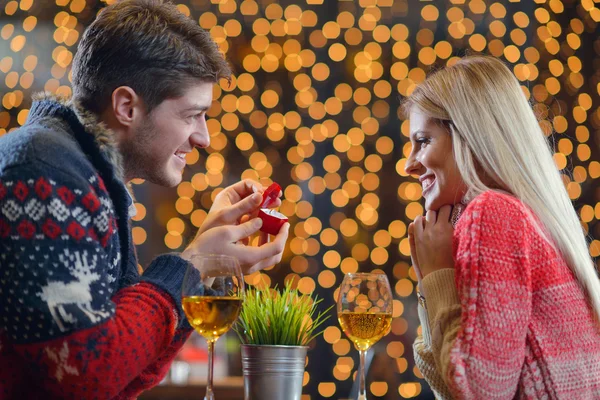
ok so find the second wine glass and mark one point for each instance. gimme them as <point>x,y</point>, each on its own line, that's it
<point>212,293</point>
<point>365,314</point>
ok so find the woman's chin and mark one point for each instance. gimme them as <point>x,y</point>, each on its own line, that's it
<point>436,205</point>
<point>431,205</point>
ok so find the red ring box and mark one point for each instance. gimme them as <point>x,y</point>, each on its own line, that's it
<point>272,220</point>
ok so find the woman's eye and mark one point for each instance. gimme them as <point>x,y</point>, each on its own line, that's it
<point>422,141</point>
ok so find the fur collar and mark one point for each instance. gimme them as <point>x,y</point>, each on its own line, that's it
<point>104,137</point>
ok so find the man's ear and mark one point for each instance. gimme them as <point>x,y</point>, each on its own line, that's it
<point>127,106</point>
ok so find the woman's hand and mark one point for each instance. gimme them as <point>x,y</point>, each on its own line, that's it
<point>430,241</point>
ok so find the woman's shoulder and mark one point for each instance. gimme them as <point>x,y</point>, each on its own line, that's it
<point>496,207</point>
<point>497,201</point>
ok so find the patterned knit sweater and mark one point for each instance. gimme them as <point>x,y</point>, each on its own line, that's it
<point>510,321</point>
<point>77,320</point>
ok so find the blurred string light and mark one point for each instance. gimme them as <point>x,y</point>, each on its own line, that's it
<point>314,106</point>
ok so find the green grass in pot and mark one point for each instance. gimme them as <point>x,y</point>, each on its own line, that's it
<point>271,317</point>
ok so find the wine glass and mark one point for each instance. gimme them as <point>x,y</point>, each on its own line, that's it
<point>365,314</point>
<point>212,292</point>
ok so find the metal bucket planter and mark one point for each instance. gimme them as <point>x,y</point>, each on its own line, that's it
<point>273,372</point>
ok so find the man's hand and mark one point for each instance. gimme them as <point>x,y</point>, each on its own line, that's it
<point>232,203</point>
<point>236,204</point>
<point>224,240</point>
<point>229,223</point>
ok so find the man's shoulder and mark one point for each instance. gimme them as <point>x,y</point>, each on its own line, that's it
<point>41,146</point>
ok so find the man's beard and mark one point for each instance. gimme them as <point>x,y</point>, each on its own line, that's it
<point>139,160</point>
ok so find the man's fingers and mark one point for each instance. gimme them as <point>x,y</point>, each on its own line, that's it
<point>276,203</point>
<point>246,187</point>
<point>245,218</point>
<point>233,213</point>
<point>240,190</point>
<point>244,230</point>
<point>280,238</point>
<point>265,264</point>
<point>253,255</point>
<point>263,238</point>
<point>282,234</point>
<point>249,257</point>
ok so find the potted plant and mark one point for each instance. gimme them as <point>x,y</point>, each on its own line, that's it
<point>275,329</point>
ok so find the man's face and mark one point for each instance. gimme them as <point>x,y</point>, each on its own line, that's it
<point>159,145</point>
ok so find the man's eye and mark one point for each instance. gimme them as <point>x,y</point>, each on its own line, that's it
<point>194,117</point>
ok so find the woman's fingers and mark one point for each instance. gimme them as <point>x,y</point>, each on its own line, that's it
<point>431,216</point>
<point>419,225</point>
<point>413,250</point>
<point>444,213</point>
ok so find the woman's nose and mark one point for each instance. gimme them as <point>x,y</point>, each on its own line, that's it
<point>413,166</point>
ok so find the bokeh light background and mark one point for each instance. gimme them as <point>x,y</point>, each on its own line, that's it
<point>314,105</point>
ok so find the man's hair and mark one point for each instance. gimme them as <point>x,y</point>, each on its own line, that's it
<point>147,45</point>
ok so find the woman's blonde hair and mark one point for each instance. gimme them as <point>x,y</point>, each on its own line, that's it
<point>498,143</point>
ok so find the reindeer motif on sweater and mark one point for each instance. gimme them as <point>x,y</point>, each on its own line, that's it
<point>57,294</point>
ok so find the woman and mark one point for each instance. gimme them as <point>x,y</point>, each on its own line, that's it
<point>509,298</point>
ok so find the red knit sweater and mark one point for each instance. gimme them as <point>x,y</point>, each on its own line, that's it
<point>520,326</point>
<point>115,360</point>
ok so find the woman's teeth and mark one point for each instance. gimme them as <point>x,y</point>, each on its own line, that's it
<point>427,183</point>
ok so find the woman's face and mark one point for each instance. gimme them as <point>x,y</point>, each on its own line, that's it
<point>432,160</point>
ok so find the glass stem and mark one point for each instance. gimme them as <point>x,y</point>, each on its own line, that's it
<point>362,393</point>
<point>209,385</point>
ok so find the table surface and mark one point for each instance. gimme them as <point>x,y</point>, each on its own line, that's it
<point>230,388</point>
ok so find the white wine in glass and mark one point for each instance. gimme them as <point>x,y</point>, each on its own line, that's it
<point>365,314</point>
<point>212,293</point>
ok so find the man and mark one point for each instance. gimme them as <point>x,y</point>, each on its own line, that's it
<point>77,320</point>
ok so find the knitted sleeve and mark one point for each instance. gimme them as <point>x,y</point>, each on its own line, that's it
<point>479,347</point>
<point>425,358</point>
<point>60,308</point>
